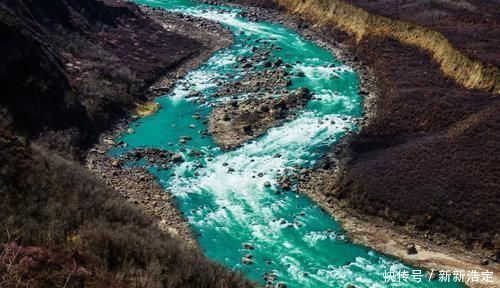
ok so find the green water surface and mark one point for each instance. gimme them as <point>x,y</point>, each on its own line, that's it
<point>292,237</point>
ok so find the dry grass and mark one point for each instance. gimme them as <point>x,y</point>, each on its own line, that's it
<point>72,231</point>
<point>147,108</point>
<point>453,63</point>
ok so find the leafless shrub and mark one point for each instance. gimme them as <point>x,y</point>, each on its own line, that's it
<point>61,209</point>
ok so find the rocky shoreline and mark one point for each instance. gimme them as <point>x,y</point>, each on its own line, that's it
<point>211,34</point>
<point>137,185</point>
<point>390,239</point>
<point>140,188</point>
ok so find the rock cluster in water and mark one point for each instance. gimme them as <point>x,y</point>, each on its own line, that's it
<point>153,156</point>
<point>272,80</point>
<point>234,123</point>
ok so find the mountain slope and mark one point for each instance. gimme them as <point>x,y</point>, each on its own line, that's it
<point>68,70</point>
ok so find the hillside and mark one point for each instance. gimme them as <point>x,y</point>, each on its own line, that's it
<point>69,70</point>
<point>73,64</point>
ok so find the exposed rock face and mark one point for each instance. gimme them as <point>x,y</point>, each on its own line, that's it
<point>234,123</point>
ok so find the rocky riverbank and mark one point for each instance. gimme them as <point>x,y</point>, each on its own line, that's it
<point>435,252</point>
<point>137,185</point>
<point>211,34</point>
<point>68,71</point>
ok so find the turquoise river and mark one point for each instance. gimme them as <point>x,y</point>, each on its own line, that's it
<point>291,236</point>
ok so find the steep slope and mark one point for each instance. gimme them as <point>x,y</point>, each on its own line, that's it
<point>62,227</point>
<point>68,70</point>
<point>467,72</point>
<point>80,64</point>
<point>471,26</point>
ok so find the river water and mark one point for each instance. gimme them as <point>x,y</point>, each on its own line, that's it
<point>291,237</point>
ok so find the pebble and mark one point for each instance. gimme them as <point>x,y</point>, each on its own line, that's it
<point>411,249</point>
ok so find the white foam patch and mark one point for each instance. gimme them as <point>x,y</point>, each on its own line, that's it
<point>242,190</point>
<point>201,79</point>
<point>322,72</point>
<point>313,237</point>
<point>232,19</point>
<point>332,98</point>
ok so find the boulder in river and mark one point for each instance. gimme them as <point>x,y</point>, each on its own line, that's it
<point>247,259</point>
<point>176,158</point>
<point>248,246</point>
<point>270,276</point>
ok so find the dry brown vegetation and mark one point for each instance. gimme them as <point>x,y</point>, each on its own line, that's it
<point>72,64</point>
<point>68,70</point>
<point>471,26</point>
<point>457,65</point>
<point>429,158</point>
<point>62,227</point>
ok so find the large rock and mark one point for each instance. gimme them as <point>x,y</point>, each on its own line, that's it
<point>176,158</point>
